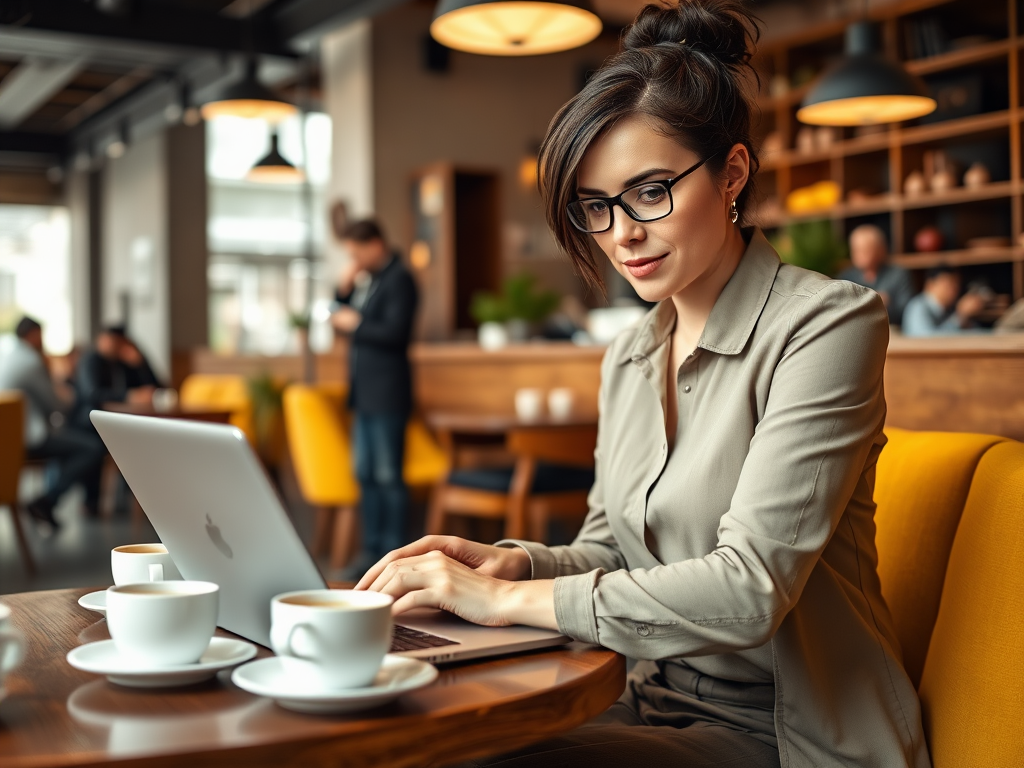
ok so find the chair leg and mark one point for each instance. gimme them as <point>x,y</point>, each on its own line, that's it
<point>346,535</point>
<point>322,528</point>
<point>19,532</point>
<point>435,512</point>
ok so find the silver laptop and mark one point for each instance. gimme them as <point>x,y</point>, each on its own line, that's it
<point>211,504</point>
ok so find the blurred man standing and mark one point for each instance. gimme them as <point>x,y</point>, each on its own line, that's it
<point>940,309</point>
<point>76,454</point>
<point>377,297</point>
<point>868,253</point>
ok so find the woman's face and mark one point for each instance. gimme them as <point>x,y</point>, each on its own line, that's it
<point>671,255</point>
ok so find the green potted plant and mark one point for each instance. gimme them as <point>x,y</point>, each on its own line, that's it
<point>267,394</point>
<point>509,315</point>
<point>812,245</point>
<point>491,312</point>
<point>299,322</point>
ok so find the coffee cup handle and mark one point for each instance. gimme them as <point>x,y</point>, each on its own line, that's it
<point>12,648</point>
<point>156,571</point>
<point>288,649</point>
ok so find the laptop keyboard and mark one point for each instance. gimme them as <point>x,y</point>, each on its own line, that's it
<point>406,639</point>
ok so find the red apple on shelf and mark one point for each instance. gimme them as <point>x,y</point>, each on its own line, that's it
<point>928,240</point>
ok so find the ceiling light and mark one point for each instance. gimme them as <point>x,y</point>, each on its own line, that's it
<point>249,99</point>
<point>514,27</point>
<point>865,88</point>
<point>274,168</point>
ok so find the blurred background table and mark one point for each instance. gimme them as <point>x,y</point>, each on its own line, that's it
<point>55,715</point>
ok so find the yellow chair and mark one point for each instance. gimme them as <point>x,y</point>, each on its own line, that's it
<point>227,391</point>
<point>972,687</point>
<point>318,428</point>
<point>950,540</point>
<point>12,457</point>
<point>920,489</point>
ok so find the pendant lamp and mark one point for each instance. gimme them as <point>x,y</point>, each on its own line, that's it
<point>514,27</point>
<point>274,168</point>
<point>248,98</point>
<point>865,88</point>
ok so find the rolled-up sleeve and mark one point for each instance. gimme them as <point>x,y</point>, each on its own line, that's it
<point>823,416</point>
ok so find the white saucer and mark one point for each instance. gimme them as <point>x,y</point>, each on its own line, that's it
<point>102,658</point>
<point>94,601</point>
<point>291,684</point>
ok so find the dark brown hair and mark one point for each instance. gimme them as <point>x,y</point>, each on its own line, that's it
<point>682,65</point>
<point>363,231</point>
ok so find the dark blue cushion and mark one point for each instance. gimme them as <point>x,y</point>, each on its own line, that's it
<point>549,478</point>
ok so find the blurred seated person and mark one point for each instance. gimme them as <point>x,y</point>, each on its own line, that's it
<point>75,453</point>
<point>868,254</point>
<point>940,309</point>
<point>112,371</point>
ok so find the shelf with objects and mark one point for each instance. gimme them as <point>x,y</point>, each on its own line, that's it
<point>956,173</point>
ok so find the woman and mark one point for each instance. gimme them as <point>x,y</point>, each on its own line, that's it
<point>730,540</point>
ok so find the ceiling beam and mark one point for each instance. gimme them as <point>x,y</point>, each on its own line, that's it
<point>301,21</point>
<point>165,24</point>
<point>30,85</point>
<point>31,143</point>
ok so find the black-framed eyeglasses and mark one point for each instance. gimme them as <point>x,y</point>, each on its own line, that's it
<point>646,201</point>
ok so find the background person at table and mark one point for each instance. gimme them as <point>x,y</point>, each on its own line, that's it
<point>730,540</point>
<point>868,255</point>
<point>940,309</point>
<point>75,454</point>
<point>377,298</point>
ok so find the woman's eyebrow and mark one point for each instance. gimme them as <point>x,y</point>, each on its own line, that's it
<point>629,182</point>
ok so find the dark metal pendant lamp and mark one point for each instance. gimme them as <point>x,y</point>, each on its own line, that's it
<point>865,88</point>
<point>274,168</point>
<point>250,99</point>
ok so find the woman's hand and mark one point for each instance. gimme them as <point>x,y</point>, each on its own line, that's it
<point>466,579</point>
<point>507,563</point>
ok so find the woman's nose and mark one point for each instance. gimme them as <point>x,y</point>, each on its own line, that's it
<point>624,229</point>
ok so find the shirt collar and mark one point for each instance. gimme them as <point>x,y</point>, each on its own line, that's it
<point>734,315</point>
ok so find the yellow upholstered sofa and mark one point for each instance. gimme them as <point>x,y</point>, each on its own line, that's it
<point>950,539</point>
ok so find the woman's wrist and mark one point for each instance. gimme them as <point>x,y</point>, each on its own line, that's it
<point>530,602</point>
<point>519,566</point>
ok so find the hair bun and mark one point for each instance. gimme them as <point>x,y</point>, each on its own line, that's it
<point>721,28</point>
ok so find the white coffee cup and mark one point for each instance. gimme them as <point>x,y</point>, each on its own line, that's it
<point>344,633</point>
<point>164,400</point>
<point>529,404</point>
<point>560,402</point>
<point>12,645</point>
<point>135,563</point>
<point>162,623</point>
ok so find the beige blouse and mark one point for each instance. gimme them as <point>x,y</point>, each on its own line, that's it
<point>748,554</point>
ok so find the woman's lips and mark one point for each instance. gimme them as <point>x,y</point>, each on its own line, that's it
<point>643,267</point>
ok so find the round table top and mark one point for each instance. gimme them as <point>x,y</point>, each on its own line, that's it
<point>501,423</point>
<point>55,715</point>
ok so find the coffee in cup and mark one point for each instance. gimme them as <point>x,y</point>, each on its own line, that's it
<point>135,563</point>
<point>162,623</point>
<point>343,633</point>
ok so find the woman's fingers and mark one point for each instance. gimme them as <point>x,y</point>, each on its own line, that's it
<point>418,547</point>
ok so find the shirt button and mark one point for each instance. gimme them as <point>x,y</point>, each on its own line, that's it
<point>643,630</point>
<point>686,389</point>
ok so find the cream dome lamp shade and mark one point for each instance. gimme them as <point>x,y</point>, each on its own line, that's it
<point>514,27</point>
<point>865,88</point>
<point>250,99</point>
<point>274,168</point>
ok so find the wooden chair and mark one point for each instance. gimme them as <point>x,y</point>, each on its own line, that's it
<point>552,476</point>
<point>12,458</point>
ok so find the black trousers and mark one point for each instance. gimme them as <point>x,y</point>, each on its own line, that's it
<point>78,456</point>
<point>656,722</point>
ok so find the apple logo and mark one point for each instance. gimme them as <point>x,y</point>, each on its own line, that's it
<point>218,539</point>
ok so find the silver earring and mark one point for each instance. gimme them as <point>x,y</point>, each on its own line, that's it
<point>734,214</point>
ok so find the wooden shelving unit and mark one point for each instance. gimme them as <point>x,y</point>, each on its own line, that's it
<point>893,152</point>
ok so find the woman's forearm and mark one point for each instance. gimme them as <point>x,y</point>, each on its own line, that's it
<point>531,603</point>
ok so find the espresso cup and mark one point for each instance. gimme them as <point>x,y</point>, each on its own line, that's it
<point>135,563</point>
<point>344,633</point>
<point>162,623</point>
<point>560,402</point>
<point>529,404</point>
<point>12,645</point>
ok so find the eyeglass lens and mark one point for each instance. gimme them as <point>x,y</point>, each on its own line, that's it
<point>644,202</point>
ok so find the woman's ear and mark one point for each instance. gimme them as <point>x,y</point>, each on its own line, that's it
<point>737,171</point>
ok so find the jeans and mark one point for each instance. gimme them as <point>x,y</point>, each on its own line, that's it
<point>79,459</point>
<point>379,457</point>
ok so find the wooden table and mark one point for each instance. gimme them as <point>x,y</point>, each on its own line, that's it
<point>55,715</point>
<point>214,415</point>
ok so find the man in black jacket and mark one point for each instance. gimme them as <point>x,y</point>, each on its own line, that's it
<point>377,298</point>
